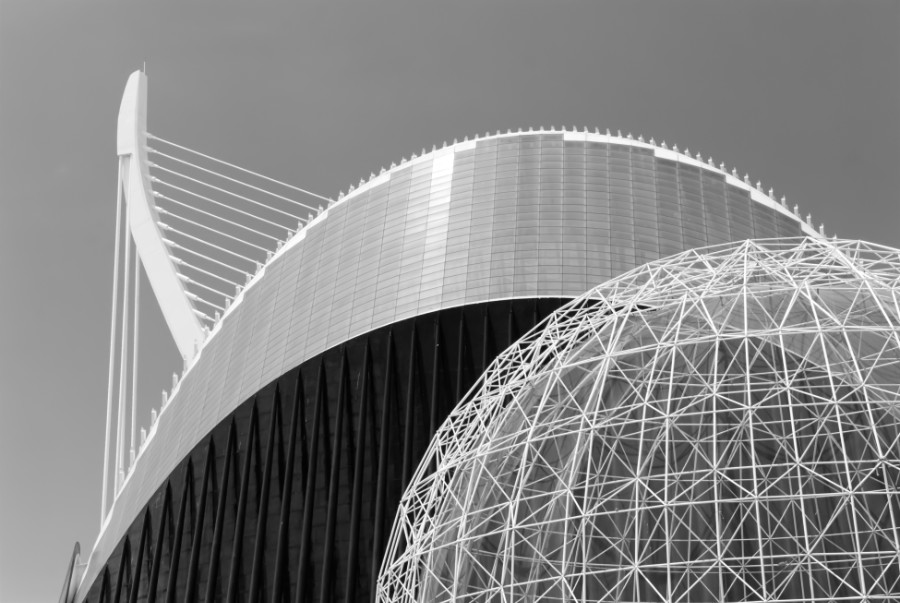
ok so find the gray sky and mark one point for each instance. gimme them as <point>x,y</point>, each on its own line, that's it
<point>803,95</point>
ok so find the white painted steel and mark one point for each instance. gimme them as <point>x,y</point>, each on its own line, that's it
<point>123,358</point>
<point>252,173</point>
<point>136,320</point>
<point>719,425</point>
<point>112,346</point>
<point>162,274</point>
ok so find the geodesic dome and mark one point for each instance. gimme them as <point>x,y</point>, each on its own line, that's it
<point>720,425</point>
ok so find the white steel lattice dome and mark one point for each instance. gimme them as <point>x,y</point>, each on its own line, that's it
<point>721,425</point>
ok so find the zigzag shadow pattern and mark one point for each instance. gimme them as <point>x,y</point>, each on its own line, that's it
<point>290,498</point>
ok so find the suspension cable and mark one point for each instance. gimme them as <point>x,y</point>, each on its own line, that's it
<point>205,257</point>
<point>123,354</point>
<point>112,345</point>
<point>237,167</point>
<point>199,240</point>
<point>226,220</point>
<point>194,283</point>
<point>229,178</point>
<point>211,229</point>
<point>181,262</point>
<point>204,316</point>
<point>213,201</point>
<point>228,192</point>
<point>124,235</point>
<point>134,353</point>
<point>209,303</point>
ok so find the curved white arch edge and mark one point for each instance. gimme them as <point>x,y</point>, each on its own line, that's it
<point>131,147</point>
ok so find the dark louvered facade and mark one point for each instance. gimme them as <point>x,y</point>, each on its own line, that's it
<point>295,491</point>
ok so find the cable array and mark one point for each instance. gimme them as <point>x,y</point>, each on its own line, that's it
<point>221,222</point>
<point>122,393</point>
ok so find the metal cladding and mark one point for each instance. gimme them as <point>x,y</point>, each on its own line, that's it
<point>720,425</point>
<point>509,217</point>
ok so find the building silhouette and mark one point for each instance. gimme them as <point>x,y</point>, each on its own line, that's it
<point>273,469</point>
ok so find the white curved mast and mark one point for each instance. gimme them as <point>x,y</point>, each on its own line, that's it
<point>141,221</point>
<point>185,326</point>
<point>221,229</point>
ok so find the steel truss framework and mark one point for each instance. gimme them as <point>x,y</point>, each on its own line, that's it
<point>290,498</point>
<point>721,425</point>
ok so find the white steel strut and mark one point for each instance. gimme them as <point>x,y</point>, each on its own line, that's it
<point>185,326</point>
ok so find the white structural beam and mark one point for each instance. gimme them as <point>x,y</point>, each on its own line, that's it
<point>161,272</point>
<point>112,348</point>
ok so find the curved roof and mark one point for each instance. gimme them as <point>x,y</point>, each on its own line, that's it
<point>517,215</point>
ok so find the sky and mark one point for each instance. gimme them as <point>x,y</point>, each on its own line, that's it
<point>801,94</point>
